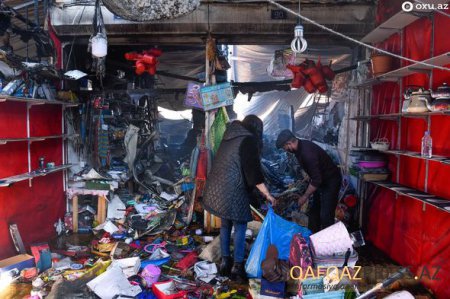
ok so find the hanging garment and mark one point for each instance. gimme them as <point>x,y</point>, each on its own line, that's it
<point>130,141</point>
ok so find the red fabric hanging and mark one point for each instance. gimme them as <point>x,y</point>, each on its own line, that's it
<point>400,226</point>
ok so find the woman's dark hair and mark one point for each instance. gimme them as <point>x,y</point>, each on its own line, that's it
<point>255,125</point>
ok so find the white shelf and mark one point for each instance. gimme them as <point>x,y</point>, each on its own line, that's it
<point>394,116</point>
<point>439,60</point>
<point>394,75</point>
<point>5,182</point>
<point>429,199</point>
<point>32,101</point>
<point>396,23</point>
<point>417,155</point>
<point>34,139</point>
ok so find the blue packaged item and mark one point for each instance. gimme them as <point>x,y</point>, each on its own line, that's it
<point>277,231</point>
<point>272,289</point>
<point>187,186</point>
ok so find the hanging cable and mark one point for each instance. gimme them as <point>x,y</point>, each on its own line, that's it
<point>357,41</point>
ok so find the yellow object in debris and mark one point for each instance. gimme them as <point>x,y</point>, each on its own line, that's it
<point>226,295</point>
<point>98,268</point>
<point>182,241</point>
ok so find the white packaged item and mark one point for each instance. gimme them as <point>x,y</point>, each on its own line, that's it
<point>332,240</point>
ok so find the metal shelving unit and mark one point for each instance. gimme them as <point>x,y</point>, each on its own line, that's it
<point>395,25</point>
<point>30,102</point>
<point>5,182</point>
<point>425,198</point>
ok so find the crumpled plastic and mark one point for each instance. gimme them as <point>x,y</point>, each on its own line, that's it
<point>205,271</point>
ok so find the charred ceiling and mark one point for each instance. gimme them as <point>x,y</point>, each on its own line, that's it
<point>231,22</point>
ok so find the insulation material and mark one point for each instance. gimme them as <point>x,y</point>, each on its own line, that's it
<point>145,10</point>
<point>411,234</point>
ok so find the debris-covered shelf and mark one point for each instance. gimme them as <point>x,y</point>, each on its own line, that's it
<point>5,182</point>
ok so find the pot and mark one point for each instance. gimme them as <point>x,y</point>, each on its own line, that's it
<point>381,64</point>
<point>440,105</point>
<point>442,92</point>
<point>442,98</point>
<point>420,101</point>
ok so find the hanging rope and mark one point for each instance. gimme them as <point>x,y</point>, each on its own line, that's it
<point>357,41</point>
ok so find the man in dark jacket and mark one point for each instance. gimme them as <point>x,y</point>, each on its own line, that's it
<point>235,172</point>
<point>325,178</point>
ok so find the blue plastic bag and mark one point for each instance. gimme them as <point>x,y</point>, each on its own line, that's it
<point>277,231</point>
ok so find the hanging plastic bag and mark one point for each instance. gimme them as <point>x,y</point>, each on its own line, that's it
<point>277,231</point>
<point>218,128</point>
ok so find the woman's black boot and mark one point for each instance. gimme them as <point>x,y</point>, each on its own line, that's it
<point>225,266</point>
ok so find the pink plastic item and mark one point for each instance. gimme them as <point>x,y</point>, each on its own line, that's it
<point>372,164</point>
<point>151,274</point>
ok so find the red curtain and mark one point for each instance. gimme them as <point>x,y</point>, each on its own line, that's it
<point>411,234</point>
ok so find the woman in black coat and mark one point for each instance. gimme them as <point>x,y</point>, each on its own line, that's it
<point>235,172</point>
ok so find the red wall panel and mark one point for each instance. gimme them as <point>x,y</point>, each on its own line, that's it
<point>13,159</point>
<point>13,117</point>
<point>411,234</point>
<point>37,207</point>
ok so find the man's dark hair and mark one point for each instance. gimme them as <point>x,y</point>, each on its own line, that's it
<point>283,137</point>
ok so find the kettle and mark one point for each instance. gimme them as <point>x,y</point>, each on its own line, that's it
<point>407,96</point>
<point>441,98</point>
<point>420,101</point>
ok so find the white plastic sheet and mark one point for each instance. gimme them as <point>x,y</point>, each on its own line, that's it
<point>111,283</point>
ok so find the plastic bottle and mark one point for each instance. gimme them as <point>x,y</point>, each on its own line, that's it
<point>427,144</point>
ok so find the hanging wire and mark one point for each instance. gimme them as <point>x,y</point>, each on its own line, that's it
<point>357,41</point>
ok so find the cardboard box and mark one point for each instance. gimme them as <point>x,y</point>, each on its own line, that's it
<point>20,262</point>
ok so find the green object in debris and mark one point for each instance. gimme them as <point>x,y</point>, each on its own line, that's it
<point>92,185</point>
<point>185,171</point>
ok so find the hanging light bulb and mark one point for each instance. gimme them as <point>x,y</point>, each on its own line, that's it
<point>298,44</point>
